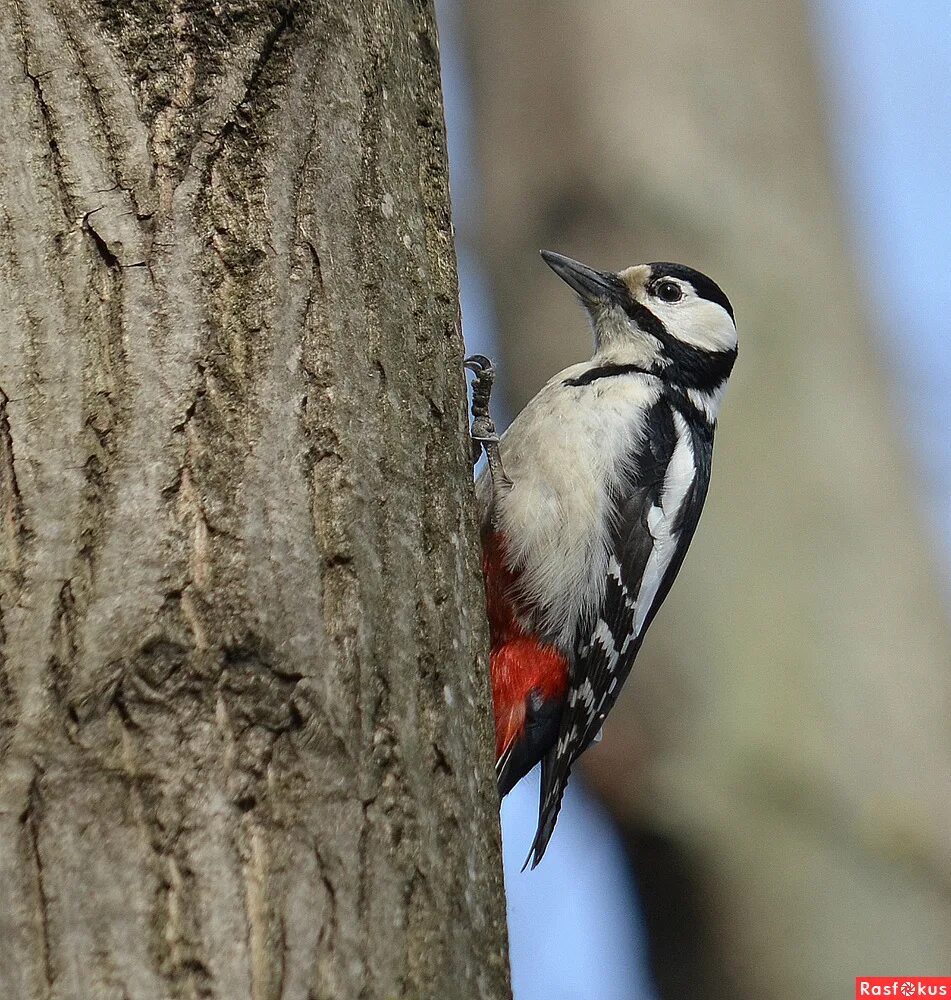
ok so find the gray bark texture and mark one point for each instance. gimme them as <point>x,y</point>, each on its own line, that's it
<point>245,742</point>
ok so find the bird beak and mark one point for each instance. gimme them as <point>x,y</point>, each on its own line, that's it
<point>593,286</point>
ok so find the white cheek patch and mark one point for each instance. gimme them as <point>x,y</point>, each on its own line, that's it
<point>696,321</point>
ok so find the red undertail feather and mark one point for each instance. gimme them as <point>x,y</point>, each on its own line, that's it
<point>519,662</point>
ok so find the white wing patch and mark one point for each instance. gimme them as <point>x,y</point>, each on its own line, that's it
<point>681,471</point>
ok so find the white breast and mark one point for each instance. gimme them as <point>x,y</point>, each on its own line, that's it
<point>562,454</point>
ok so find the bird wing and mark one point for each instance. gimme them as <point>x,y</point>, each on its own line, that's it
<point>660,491</point>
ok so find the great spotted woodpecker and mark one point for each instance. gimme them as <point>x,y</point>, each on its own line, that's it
<point>588,503</point>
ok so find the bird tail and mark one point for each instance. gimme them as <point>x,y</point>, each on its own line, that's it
<point>554,781</point>
<point>504,771</point>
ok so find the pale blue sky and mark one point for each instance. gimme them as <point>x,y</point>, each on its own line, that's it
<point>887,69</point>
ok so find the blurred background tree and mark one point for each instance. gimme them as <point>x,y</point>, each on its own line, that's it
<point>779,762</point>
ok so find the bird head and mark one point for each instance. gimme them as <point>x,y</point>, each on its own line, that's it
<point>668,317</point>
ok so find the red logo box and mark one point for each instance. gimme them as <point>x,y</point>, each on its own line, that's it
<point>902,986</point>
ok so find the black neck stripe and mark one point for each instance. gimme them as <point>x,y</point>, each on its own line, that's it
<point>647,321</point>
<point>607,371</point>
<point>696,369</point>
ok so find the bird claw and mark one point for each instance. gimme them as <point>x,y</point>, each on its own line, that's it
<point>483,430</point>
<point>483,433</point>
<point>479,363</point>
<point>484,372</point>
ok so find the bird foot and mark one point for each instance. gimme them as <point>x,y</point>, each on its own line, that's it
<point>482,432</point>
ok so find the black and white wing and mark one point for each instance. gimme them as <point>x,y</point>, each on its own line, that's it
<point>660,494</point>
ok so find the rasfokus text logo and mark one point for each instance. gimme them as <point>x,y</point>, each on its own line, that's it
<point>902,986</point>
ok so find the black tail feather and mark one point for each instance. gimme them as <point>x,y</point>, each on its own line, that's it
<point>554,781</point>
<point>542,719</point>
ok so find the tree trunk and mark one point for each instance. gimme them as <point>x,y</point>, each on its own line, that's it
<point>783,743</point>
<point>244,721</point>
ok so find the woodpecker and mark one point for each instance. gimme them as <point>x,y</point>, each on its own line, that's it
<point>588,503</point>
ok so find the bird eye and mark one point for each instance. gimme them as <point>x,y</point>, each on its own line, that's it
<point>668,291</point>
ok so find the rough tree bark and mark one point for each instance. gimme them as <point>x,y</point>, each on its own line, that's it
<point>242,694</point>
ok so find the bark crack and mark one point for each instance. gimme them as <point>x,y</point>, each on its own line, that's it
<point>110,259</point>
<point>31,824</point>
<point>15,528</point>
<point>270,45</point>
<point>64,642</point>
<point>46,114</point>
